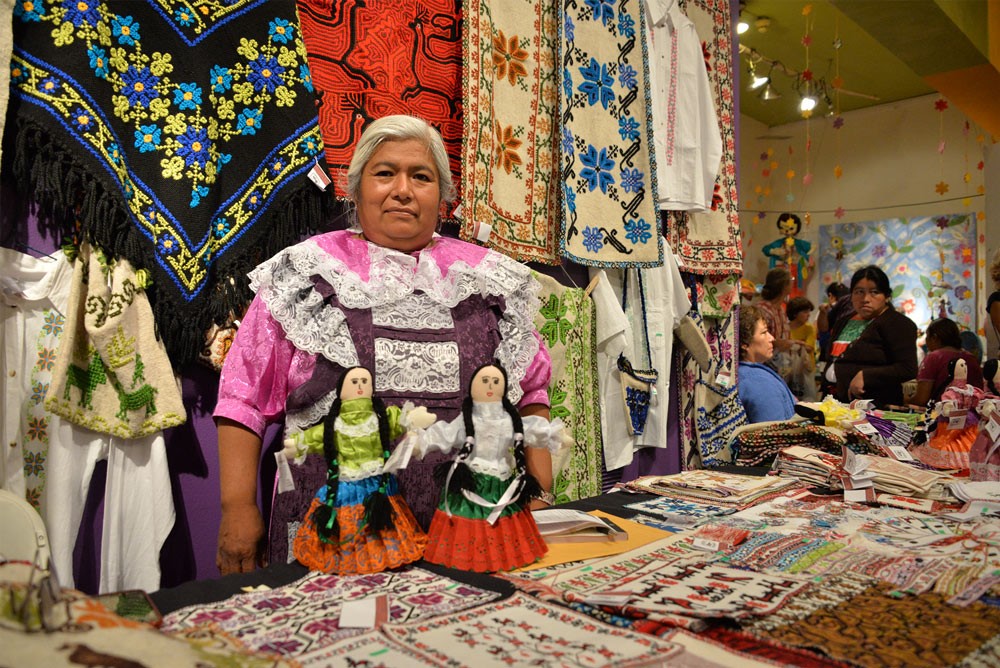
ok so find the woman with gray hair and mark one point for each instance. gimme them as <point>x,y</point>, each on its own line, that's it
<point>421,310</point>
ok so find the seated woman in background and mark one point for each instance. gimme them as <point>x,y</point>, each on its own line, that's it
<point>764,395</point>
<point>874,351</point>
<point>944,344</point>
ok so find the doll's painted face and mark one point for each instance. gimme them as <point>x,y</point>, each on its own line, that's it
<point>788,227</point>
<point>487,385</point>
<point>357,385</point>
<point>961,370</point>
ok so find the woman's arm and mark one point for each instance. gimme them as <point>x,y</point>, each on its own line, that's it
<point>241,531</point>
<point>539,460</point>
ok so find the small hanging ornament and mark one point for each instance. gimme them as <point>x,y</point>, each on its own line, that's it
<point>839,212</point>
<point>807,179</point>
<point>941,188</point>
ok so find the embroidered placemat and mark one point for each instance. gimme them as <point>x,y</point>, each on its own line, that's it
<point>610,216</point>
<point>567,322</point>
<point>302,617</point>
<point>510,170</point>
<point>523,631</point>
<point>709,243</point>
<point>179,138</point>
<point>382,57</point>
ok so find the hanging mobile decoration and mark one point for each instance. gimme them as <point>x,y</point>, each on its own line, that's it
<point>807,110</point>
<point>942,187</point>
<point>838,121</point>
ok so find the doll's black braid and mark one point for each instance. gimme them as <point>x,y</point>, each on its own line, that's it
<point>325,516</point>
<point>378,509</point>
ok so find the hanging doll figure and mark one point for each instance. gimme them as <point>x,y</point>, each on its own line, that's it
<point>483,522</point>
<point>956,421</point>
<point>358,522</point>
<point>790,251</point>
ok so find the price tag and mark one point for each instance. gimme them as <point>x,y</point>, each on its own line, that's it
<point>865,427</point>
<point>319,176</point>
<point>900,454</point>
<point>705,544</point>
<point>957,420</point>
<point>866,495</point>
<point>724,379</point>
<point>993,427</point>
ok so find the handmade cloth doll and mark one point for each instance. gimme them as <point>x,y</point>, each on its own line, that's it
<point>358,522</point>
<point>957,422</point>
<point>482,522</point>
<point>790,251</point>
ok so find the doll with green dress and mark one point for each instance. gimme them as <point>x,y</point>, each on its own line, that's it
<point>358,522</point>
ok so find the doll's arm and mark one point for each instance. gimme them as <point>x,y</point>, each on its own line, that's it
<point>418,442</point>
<point>304,442</point>
<point>542,433</point>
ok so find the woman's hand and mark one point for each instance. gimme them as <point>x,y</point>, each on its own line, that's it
<point>241,540</point>
<point>856,389</point>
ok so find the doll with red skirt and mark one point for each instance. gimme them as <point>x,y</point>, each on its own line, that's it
<point>483,522</point>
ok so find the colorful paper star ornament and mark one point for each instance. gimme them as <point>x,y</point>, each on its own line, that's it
<point>941,188</point>
<point>839,212</point>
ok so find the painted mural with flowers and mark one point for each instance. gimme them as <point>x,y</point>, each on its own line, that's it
<point>930,260</point>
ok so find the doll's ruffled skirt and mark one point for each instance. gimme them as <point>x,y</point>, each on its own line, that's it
<point>467,541</point>
<point>360,550</point>
<point>947,448</point>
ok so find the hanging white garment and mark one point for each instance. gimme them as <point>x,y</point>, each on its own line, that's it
<point>51,460</point>
<point>686,136</point>
<point>614,337</point>
<point>666,303</point>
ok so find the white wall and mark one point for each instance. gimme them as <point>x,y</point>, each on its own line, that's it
<point>891,164</point>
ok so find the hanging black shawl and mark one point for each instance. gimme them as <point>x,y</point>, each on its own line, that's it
<point>178,133</point>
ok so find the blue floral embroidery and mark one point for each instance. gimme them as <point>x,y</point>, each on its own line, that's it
<point>38,391</point>
<point>193,147</point>
<point>185,16</point>
<point>140,86</point>
<point>147,138</point>
<point>627,76</point>
<point>220,227</point>
<point>604,10</point>
<point>254,200</point>
<point>597,83</point>
<point>98,61</point>
<point>567,142</point>
<point>628,128</point>
<point>310,146</point>
<point>306,76</point>
<point>597,169</point>
<point>196,194</point>
<point>281,31</point>
<point>222,80</point>
<point>632,180</point>
<point>126,30</point>
<point>568,27</point>
<point>79,12</point>
<point>638,231</point>
<point>265,74</point>
<point>17,74</point>
<point>81,119</point>
<point>592,239</point>
<point>187,96</point>
<point>114,153</point>
<point>168,244</point>
<point>570,197</point>
<point>276,167</point>
<point>29,10</point>
<point>626,25</point>
<point>49,85</point>
<point>249,121</point>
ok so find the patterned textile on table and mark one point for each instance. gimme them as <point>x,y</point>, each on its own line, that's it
<point>510,166</point>
<point>566,320</point>
<point>911,631</point>
<point>181,140</point>
<point>709,243</point>
<point>77,629</point>
<point>679,514</point>
<point>376,58</point>
<point>523,631</point>
<point>697,590</point>
<point>111,373</point>
<point>610,216</point>
<point>301,620</point>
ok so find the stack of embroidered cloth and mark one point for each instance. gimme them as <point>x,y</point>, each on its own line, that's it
<point>732,490</point>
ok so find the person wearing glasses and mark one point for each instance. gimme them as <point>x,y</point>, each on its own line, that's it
<point>874,350</point>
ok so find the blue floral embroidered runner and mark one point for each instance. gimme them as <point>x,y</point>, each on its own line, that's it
<point>179,135</point>
<point>610,216</point>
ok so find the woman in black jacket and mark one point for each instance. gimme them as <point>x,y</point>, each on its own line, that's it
<point>873,351</point>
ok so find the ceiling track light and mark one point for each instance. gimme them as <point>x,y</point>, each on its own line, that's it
<point>768,92</point>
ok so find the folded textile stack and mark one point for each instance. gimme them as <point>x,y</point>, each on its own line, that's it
<point>887,475</point>
<point>732,490</point>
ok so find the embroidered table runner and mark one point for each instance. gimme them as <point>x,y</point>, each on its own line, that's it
<point>301,619</point>
<point>511,178</point>
<point>179,133</point>
<point>610,215</point>
<point>376,58</point>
